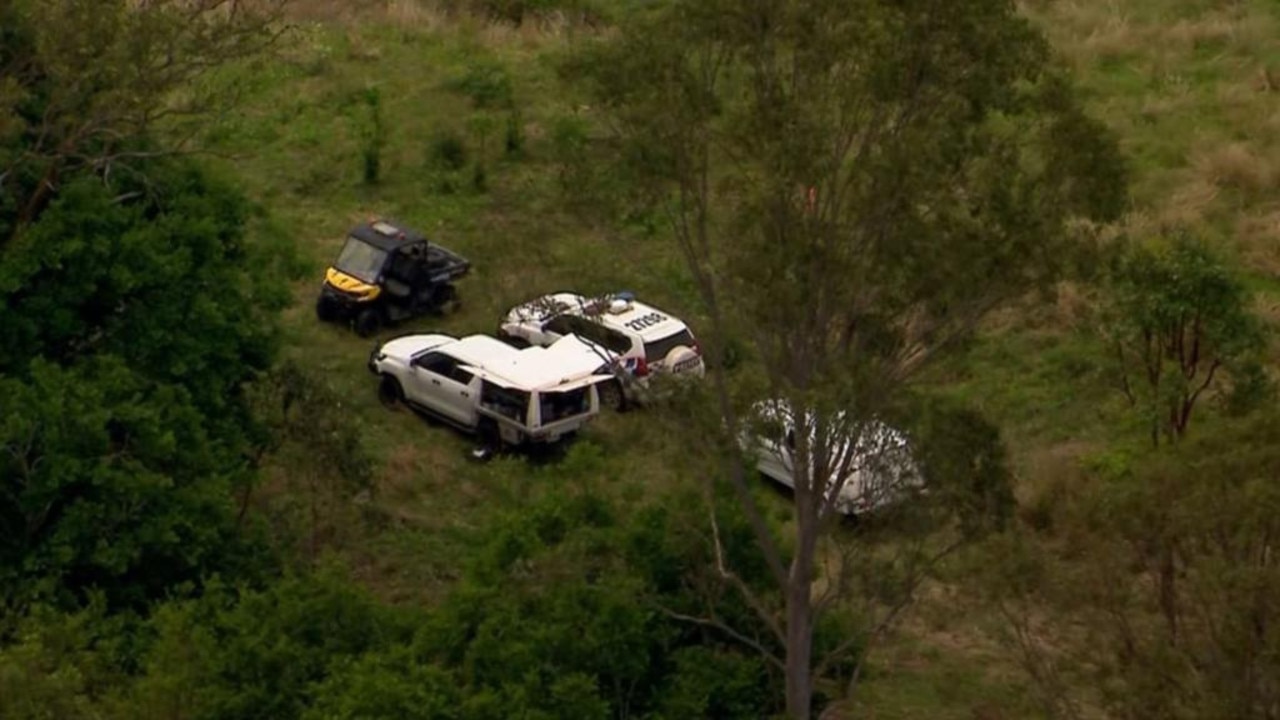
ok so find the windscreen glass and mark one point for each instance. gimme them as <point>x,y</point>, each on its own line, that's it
<point>361,260</point>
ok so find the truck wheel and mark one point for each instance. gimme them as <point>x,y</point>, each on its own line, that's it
<point>368,322</point>
<point>390,394</point>
<point>611,396</point>
<point>489,441</point>
<point>326,309</point>
<point>444,300</point>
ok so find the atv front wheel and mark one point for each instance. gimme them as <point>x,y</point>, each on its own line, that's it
<point>326,309</point>
<point>390,394</point>
<point>367,323</point>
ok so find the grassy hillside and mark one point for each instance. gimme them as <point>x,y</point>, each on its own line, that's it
<point>1191,86</point>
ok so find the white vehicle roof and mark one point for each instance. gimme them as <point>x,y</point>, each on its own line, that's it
<point>406,346</point>
<point>634,309</point>
<point>609,311</point>
<point>548,306</point>
<point>568,363</point>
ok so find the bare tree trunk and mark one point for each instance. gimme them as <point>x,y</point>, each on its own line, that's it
<point>799,648</point>
<point>1168,589</point>
<point>799,660</point>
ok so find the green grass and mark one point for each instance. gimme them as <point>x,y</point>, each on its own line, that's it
<point>1173,78</point>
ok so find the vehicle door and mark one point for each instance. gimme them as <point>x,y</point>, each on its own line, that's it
<point>401,277</point>
<point>773,449</point>
<point>442,386</point>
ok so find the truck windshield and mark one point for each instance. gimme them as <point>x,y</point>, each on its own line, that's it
<point>361,260</point>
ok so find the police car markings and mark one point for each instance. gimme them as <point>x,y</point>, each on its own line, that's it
<point>645,321</point>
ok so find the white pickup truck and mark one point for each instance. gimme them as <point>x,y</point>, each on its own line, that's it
<point>506,396</point>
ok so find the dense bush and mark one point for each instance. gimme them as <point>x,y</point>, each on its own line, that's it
<point>135,315</point>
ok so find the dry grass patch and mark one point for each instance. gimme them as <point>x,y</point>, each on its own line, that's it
<point>1190,203</point>
<point>1235,165</point>
<point>1258,238</point>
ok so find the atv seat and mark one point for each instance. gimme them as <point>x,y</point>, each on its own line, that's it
<point>395,288</point>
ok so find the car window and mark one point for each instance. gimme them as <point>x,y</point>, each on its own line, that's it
<point>657,350</point>
<point>607,338</point>
<point>560,325</point>
<point>438,363</point>
<point>361,260</point>
<point>403,267</point>
<point>509,403</point>
<point>560,405</point>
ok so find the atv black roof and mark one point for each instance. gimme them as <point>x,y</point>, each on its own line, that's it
<point>386,235</point>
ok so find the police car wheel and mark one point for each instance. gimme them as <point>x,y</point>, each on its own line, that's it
<point>612,397</point>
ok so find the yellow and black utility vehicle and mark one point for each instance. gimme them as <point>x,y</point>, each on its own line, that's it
<point>387,273</point>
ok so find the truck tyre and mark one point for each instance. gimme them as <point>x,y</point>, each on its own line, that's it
<point>488,441</point>
<point>612,396</point>
<point>326,309</point>
<point>444,300</point>
<point>368,322</point>
<point>390,394</point>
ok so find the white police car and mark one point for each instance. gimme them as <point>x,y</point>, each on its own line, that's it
<point>639,339</point>
<point>879,467</point>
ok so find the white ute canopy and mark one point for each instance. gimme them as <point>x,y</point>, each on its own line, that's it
<point>567,364</point>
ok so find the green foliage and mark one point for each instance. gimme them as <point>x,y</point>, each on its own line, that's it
<point>447,152</point>
<point>86,81</point>
<point>388,684</point>
<point>487,84</point>
<point>568,598</point>
<point>1166,594</point>
<point>1178,320</point>
<point>518,12</point>
<point>59,666</point>
<point>373,136</point>
<point>965,465</point>
<point>821,178</point>
<point>514,145</point>
<point>866,182</point>
<point>134,320</point>
<point>257,654</point>
<point>322,472</point>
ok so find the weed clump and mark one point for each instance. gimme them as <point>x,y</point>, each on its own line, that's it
<point>487,85</point>
<point>447,151</point>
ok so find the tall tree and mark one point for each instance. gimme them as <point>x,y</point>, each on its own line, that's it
<point>853,186</point>
<point>1178,320</point>
<point>135,307</point>
<point>86,85</point>
<point>130,331</point>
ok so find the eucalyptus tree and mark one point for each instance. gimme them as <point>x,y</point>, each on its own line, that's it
<point>853,186</point>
